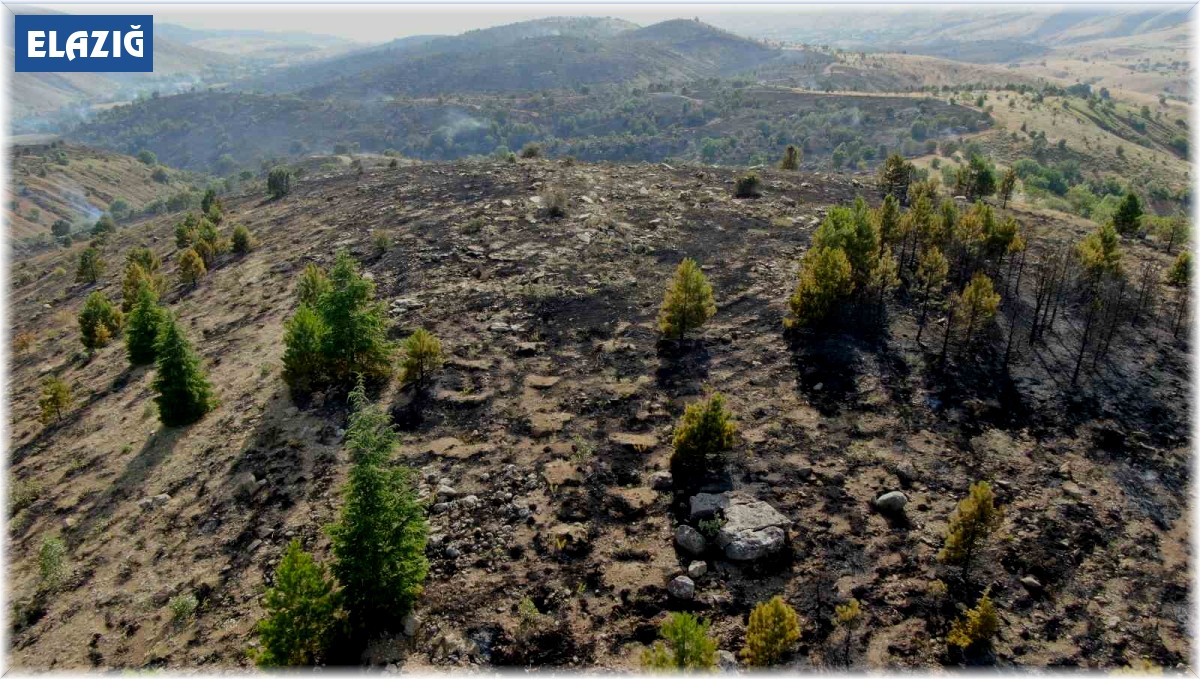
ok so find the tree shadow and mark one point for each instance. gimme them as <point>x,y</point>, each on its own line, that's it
<point>682,366</point>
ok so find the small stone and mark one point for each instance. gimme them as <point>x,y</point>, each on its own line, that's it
<point>453,552</point>
<point>690,540</point>
<point>409,625</point>
<point>891,503</point>
<point>1032,584</point>
<point>439,508</point>
<point>682,587</point>
<point>697,569</point>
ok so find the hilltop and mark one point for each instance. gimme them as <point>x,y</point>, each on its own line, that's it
<point>543,433</point>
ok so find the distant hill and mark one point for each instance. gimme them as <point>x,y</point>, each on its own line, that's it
<point>528,56</point>
<point>67,181</point>
<point>269,47</point>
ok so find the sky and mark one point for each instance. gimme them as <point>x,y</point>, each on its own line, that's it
<point>373,23</point>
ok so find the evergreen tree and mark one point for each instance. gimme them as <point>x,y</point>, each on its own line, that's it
<point>303,362</point>
<point>379,543</point>
<point>774,628</point>
<point>99,321</point>
<point>279,182</point>
<point>932,269</point>
<point>422,357</point>
<point>356,339</point>
<point>976,305</point>
<point>104,226</point>
<point>191,268</point>
<point>313,284</point>
<point>55,399</point>
<point>977,626</point>
<point>91,266</point>
<point>894,177</point>
<point>141,335</point>
<point>183,392</point>
<point>887,219</point>
<point>826,277</point>
<point>975,518</point>
<point>136,277</point>
<point>688,302</point>
<point>691,648</point>
<point>301,612</point>
<point>243,242</point>
<point>1008,184</point>
<point>1180,274</point>
<point>791,158</point>
<point>1100,253</point>
<point>1128,217</point>
<point>703,436</point>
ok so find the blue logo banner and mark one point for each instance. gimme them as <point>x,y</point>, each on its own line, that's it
<point>99,43</point>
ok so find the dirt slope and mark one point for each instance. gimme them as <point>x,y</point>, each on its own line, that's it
<point>554,409</point>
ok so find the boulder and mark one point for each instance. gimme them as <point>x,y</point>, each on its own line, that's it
<point>697,569</point>
<point>891,503</point>
<point>706,505</point>
<point>661,481</point>
<point>682,587</point>
<point>690,540</point>
<point>752,530</point>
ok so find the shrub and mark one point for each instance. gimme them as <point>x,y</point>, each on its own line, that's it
<point>826,277</point>
<point>688,302</point>
<point>691,648</point>
<point>209,241</point>
<point>701,439</point>
<point>554,202</point>
<point>747,186</point>
<point>303,362</point>
<point>847,617</point>
<point>791,158</point>
<point>379,541</point>
<point>243,242</point>
<point>531,150</point>
<point>182,607</point>
<point>380,243</point>
<point>104,226</point>
<point>142,331</point>
<point>52,563</point>
<point>301,612</point>
<point>977,626</point>
<point>422,357</point>
<point>191,268</point>
<point>313,283</point>
<point>279,182</point>
<point>1180,273</point>
<point>975,518</point>
<point>147,157</point>
<point>22,494</point>
<point>55,399</point>
<point>183,392</point>
<point>60,229</point>
<point>91,266</point>
<point>774,628</point>
<point>99,321</point>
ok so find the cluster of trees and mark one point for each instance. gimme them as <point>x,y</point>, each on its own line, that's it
<point>379,565</point>
<point>339,334</point>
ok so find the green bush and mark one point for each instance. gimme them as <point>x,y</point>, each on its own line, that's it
<point>55,399</point>
<point>701,439</point>
<point>99,321</point>
<point>747,186</point>
<point>774,628</point>
<point>243,242</point>
<point>303,362</point>
<point>691,648</point>
<point>302,612</point>
<point>52,563</point>
<point>977,626</point>
<point>279,182</point>
<point>91,266</point>
<point>531,150</point>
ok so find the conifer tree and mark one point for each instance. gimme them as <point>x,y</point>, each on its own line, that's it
<point>1008,184</point>
<point>313,283</point>
<point>99,321</point>
<point>379,543</point>
<point>1180,273</point>
<point>91,266</point>
<point>243,242</point>
<point>301,612</point>
<point>774,628</point>
<point>55,399</point>
<point>888,219</point>
<point>688,302</point>
<point>977,626</point>
<point>1128,217</point>
<point>145,258</point>
<point>356,339</point>
<point>791,158</point>
<point>977,304</point>
<point>141,333</point>
<point>136,277</point>
<point>826,277</point>
<point>932,269</point>
<point>691,648</point>
<point>894,177</point>
<point>701,439</point>
<point>191,268</point>
<point>183,392</point>
<point>848,617</point>
<point>303,362</point>
<point>975,518</point>
<point>422,357</point>
<point>1100,253</point>
<point>279,182</point>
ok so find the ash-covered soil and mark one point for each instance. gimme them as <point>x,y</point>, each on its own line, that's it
<point>538,442</point>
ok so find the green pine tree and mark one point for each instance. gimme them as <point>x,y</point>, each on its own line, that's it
<point>703,436</point>
<point>688,302</point>
<point>302,612</point>
<point>356,342</point>
<point>99,321</point>
<point>691,648</point>
<point>303,362</point>
<point>379,543</point>
<point>141,332</point>
<point>183,392</point>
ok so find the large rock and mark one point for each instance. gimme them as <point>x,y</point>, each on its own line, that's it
<point>706,505</point>
<point>690,540</point>
<point>682,587</point>
<point>891,503</point>
<point>753,529</point>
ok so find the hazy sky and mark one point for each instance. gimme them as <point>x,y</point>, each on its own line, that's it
<point>378,23</point>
